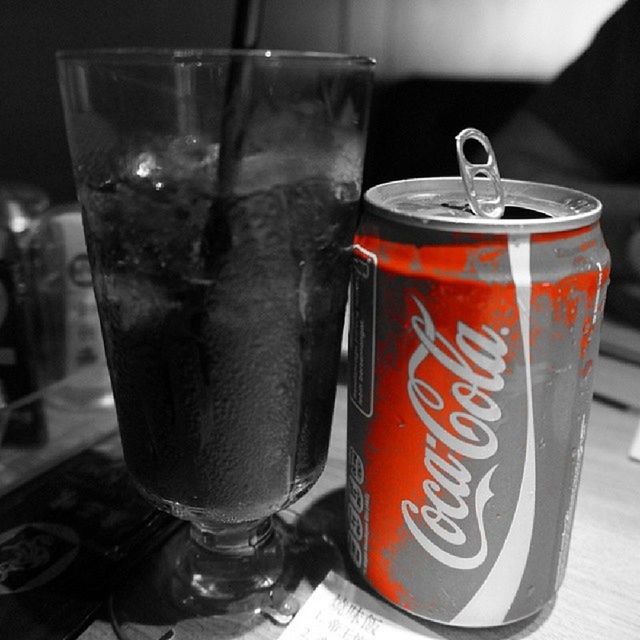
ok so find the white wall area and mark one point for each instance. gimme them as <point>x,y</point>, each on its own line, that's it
<point>511,39</point>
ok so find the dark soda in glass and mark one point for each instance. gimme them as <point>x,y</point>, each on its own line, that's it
<point>222,320</point>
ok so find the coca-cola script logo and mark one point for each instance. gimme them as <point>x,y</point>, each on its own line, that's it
<point>476,363</point>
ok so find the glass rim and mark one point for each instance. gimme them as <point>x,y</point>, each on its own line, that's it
<point>170,55</point>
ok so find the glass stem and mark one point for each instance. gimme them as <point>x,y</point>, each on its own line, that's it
<point>236,539</point>
<point>230,567</point>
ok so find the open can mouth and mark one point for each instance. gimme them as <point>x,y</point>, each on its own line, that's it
<point>441,203</point>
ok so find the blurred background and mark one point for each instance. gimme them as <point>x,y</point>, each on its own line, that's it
<point>442,65</point>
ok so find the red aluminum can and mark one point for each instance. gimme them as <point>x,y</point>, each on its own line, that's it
<point>472,345</point>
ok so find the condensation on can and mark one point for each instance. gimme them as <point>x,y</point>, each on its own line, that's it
<point>472,344</point>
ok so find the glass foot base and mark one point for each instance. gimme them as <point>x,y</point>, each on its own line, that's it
<point>167,600</point>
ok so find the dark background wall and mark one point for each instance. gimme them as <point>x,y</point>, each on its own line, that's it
<point>441,68</point>
<point>32,138</point>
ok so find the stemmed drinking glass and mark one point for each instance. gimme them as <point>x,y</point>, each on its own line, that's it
<point>220,192</point>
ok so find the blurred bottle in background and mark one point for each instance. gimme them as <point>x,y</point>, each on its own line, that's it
<point>21,209</point>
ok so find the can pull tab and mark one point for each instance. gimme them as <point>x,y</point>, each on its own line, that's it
<point>485,206</point>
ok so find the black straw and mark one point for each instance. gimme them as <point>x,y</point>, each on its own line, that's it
<point>247,24</point>
<point>246,34</point>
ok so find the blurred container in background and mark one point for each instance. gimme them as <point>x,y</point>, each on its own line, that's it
<point>66,318</point>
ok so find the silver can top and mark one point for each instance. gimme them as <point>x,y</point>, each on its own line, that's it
<point>442,203</point>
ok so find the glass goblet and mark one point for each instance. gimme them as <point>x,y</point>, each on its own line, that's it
<point>220,193</point>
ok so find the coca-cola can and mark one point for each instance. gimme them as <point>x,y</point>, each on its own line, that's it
<point>472,347</point>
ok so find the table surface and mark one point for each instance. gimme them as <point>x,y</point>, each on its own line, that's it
<point>600,597</point>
